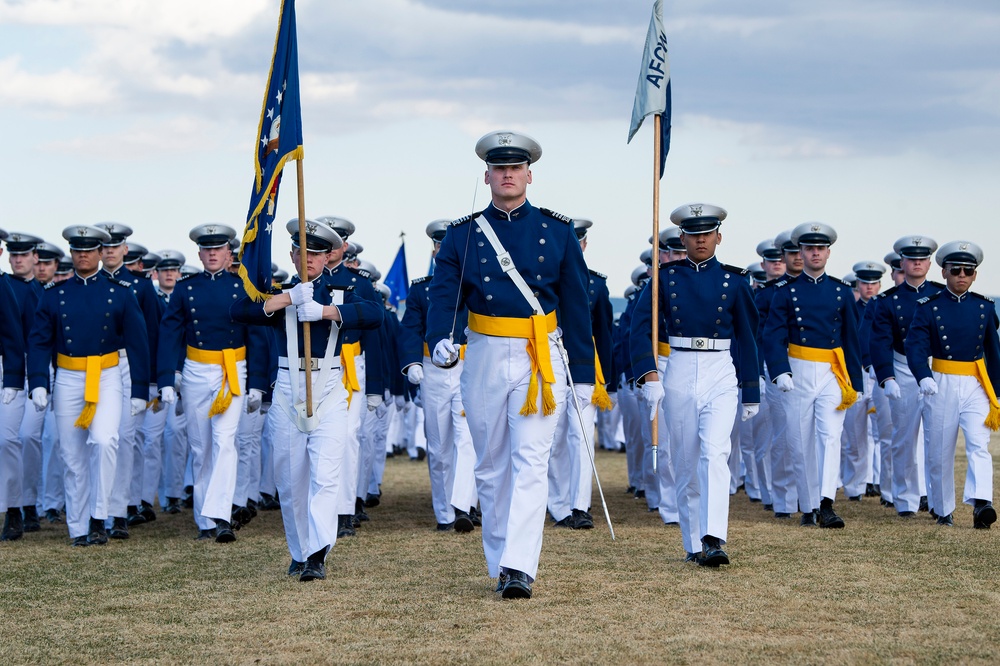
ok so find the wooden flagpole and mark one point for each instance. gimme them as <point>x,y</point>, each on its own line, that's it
<point>655,286</point>
<point>304,277</point>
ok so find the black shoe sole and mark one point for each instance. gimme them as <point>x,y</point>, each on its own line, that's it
<point>515,590</point>
<point>463,524</point>
<point>987,516</point>
<point>226,536</point>
<point>713,561</point>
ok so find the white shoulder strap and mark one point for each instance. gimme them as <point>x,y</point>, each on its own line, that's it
<point>507,264</point>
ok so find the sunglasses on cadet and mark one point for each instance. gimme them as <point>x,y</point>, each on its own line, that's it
<point>959,270</point>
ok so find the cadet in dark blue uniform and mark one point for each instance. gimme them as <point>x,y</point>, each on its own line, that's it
<point>891,320</point>
<point>633,422</point>
<point>512,362</point>
<point>811,334</point>
<point>84,322</point>
<point>957,328</point>
<point>12,351</point>
<point>223,361</point>
<point>710,320</point>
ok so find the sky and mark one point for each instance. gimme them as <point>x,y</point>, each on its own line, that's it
<point>878,117</point>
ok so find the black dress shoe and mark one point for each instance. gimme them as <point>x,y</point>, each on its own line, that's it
<point>268,503</point>
<point>870,490</point>
<point>372,500</point>
<point>565,522</point>
<point>781,515</point>
<point>96,534</point>
<point>53,516</point>
<point>252,508</point>
<point>501,581</point>
<point>359,510</point>
<point>132,516</point>
<point>31,523</point>
<point>345,526</point>
<point>296,568</point>
<point>119,528</point>
<point>907,514</point>
<point>755,500</point>
<point>768,507</point>
<point>947,521</point>
<point>934,514</point>
<point>240,516</point>
<point>224,532</point>
<point>205,535</point>
<point>13,525</point>
<point>924,506</point>
<point>984,516</point>
<point>518,585</point>
<point>146,511</point>
<point>712,554</point>
<point>355,521</point>
<point>463,522</point>
<point>476,516</point>
<point>630,490</point>
<point>581,520</point>
<point>315,568</point>
<point>80,542</point>
<point>829,519</point>
<point>445,527</point>
<point>188,499</point>
<point>421,453</point>
<point>886,503</point>
<point>640,494</point>
<point>693,558</point>
<point>854,498</point>
<point>173,505</point>
<point>808,519</point>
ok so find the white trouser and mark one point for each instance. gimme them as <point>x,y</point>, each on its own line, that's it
<point>702,399</point>
<point>881,427</point>
<point>373,429</point>
<point>31,457</point>
<point>856,453</point>
<point>664,480</point>
<point>451,458</point>
<point>154,425</point>
<point>760,436</point>
<point>307,465</point>
<point>608,425</point>
<point>212,440</point>
<point>348,488</point>
<point>512,451</point>
<point>175,452</point>
<point>959,403</point>
<point>628,403</point>
<point>89,454</point>
<point>248,455</point>
<point>127,446</point>
<point>581,470</point>
<point>53,494</point>
<point>560,459</point>
<point>737,473</point>
<point>813,428</point>
<point>11,450</point>
<point>396,434</point>
<point>376,461</point>
<point>906,452</point>
<point>267,484</point>
<point>784,491</point>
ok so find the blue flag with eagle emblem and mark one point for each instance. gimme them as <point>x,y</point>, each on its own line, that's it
<point>279,139</point>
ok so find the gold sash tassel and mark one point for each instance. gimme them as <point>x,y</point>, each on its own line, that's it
<point>348,354</point>
<point>600,399</point>
<point>835,357</point>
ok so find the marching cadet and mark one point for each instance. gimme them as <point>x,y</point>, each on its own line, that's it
<point>27,291</point>
<point>89,384</point>
<point>571,472</point>
<point>811,344</point>
<point>710,321</point>
<point>225,365</point>
<point>49,256</point>
<point>632,421</point>
<point>309,449</point>
<point>896,264</point>
<point>495,262</point>
<point>64,270</point>
<point>451,458</point>
<point>891,320</point>
<point>370,479</point>
<point>957,329</point>
<point>858,468</point>
<point>361,372</point>
<point>12,355</point>
<point>784,490</point>
<point>113,253</point>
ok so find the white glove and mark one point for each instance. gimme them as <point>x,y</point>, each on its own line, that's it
<point>652,394</point>
<point>40,397</point>
<point>399,401</point>
<point>9,394</point>
<point>138,406</point>
<point>785,383</point>
<point>928,386</point>
<point>254,398</point>
<point>168,395</point>
<point>310,311</point>
<point>382,410</point>
<point>749,411</point>
<point>177,381</point>
<point>891,389</point>
<point>445,353</point>
<point>373,401</point>
<point>301,293</point>
<point>415,373</point>
<point>584,393</point>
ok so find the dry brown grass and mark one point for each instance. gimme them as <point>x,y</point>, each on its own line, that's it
<point>880,591</point>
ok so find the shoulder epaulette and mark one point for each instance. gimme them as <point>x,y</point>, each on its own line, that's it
<point>675,262</point>
<point>887,292</point>
<point>735,269</point>
<point>596,274</point>
<point>125,283</point>
<point>362,272</point>
<point>467,218</point>
<point>555,215</point>
<point>781,283</point>
<point>837,280</point>
<point>939,285</point>
<point>981,296</point>
<point>926,299</point>
<point>182,278</point>
<point>49,285</point>
<point>421,280</point>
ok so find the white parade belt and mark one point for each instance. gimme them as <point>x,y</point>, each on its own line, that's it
<point>699,344</point>
<point>314,366</point>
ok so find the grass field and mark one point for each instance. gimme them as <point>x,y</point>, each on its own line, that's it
<point>883,590</point>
